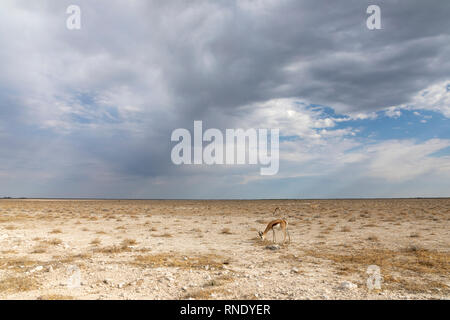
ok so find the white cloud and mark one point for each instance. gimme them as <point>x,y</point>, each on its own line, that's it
<point>433,98</point>
<point>404,160</point>
<point>293,117</point>
<point>393,112</point>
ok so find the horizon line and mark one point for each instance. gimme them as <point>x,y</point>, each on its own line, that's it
<point>219,199</point>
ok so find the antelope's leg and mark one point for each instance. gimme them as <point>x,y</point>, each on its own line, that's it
<point>273,231</point>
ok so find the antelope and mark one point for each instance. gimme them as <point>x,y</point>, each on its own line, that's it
<point>280,223</point>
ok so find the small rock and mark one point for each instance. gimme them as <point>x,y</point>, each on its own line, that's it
<point>38,268</point>
<point>347,285</point>
<point>294,270</point>
<point>273,247</point>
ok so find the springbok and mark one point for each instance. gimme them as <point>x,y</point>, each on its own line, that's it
<point>280,223</point>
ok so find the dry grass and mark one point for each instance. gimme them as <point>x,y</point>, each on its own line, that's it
<point>204,294</point>
<point>226,231</point>
<point>128,242</point>
<point>18,284</point>
<point>164,235</point>
<point>113,249</point>
<point>373,238</point>
<point>210,289</point>
<point>53,242</point>
<point>55,297</point>
<point>410,262</point>
<point>96,242</point>
<point>209,261</point>
<point>39,249</point>
<point>18,263</point>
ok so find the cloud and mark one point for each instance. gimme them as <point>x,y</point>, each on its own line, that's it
<point>433,98</point>
<point>397,161</point>
<point>393,112</point>
<point>107,97</point>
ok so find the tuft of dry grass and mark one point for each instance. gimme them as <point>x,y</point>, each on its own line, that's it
<point>53,242</point>
<point>17,264</point>
<point>125,246</point>
<point>17,284</point>
<point>128,242</point>
<point>112,249</point>
<point>39,249</point>
<point>208,261</point>
<point>204,294</point>
<point>226,231</point>
<point>55,297</point>
<point>54,231</point>
<point>96,242</point>
<point>210,289</point>
<point>164,235</point>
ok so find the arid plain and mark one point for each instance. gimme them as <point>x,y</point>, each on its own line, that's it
<point>179,249</point>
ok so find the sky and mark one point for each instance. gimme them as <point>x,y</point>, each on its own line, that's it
<point>89,113</point>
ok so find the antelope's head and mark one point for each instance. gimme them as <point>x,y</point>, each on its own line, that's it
<point>261,235</point>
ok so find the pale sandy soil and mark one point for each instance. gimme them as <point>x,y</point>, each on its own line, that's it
<point>210,250</point>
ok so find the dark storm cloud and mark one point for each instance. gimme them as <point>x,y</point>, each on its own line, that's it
<point>342,63</point>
